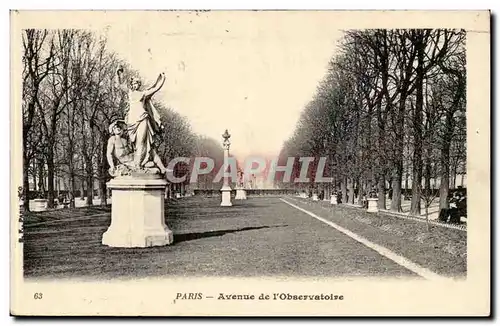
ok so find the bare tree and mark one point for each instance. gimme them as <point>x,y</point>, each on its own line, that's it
<point>451,101</point>
<point>432,47</point>
<point>380,102</point>
<point>37,60</point>
<point>69,100</point>
<point>54,101</point>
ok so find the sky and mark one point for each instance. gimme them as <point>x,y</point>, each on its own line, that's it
<point>249,72</point>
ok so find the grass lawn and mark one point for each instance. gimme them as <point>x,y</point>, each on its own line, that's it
<point>441,249</point>
<point>256,237</point>
<point>64,213</point>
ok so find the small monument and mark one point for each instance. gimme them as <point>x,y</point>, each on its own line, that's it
<point>372,202</point>
<point>226,188</point>
<point>241,194</point>
<point>333,198</point>
<point>138,184</point>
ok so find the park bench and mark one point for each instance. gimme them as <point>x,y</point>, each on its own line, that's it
<point>39,204</point>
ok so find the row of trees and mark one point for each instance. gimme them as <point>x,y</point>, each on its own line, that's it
<point>69,98</point>
<point>390,108</point>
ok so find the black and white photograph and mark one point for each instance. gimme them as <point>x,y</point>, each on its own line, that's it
<point>305,162</point>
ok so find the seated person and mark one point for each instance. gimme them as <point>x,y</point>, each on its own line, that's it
<point>453,210</point>
<point>462,206</point>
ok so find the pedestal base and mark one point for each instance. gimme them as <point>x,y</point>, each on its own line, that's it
<point>241,194</point>
<point>137,214</point>
<point>226,196</point>
<point>372,205</point>
<point>333,200</point>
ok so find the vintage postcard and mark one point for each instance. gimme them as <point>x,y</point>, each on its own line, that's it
<point>250,163</point>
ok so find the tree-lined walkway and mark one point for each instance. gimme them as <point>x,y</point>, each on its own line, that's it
<point>257,237</point>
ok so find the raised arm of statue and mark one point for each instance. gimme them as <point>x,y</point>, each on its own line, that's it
<point>158,80</point>
<point>120,82</point>
<point>156,87</point>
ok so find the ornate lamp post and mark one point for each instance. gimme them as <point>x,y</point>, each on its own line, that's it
<point>226,188</point>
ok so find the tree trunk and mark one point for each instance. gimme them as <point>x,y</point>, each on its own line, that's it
<point>57,184</point>
<point>41,179</point>
<point>343,189</point>
<point>454,176</point>
<point>360,192</point>
<point>397,176</point>
<point>406,181</point>
<point>70,153</point>
<point>84,161</point>
<point>103,174</point>
<point>369,151</point>
<point>381,163</point>
<point>103,189</point>
<point>350,199</point>
<point>427,216</point>
<point>26,183</point>
<point>417,125</point>
<point>90,191</point>
<point>428,173</point>
<point>444,188</point>
<point>50,162</point>
<point>34,174</point>
<point>50,177</point>
<point>89,174</point>
<point>396,191</point>
<point>381,123</point>
<point>72,187</point>
<point>82,187</point>
<point>381,193</point>
<point>415,208</point>
<point>71,176</point>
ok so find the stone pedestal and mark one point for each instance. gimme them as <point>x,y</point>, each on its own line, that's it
<point>137,213</point>
<point>333,200</point>
<point>240,193</point>
<point>226,196</point>
<point>372,205</point>
<point>315,197</point>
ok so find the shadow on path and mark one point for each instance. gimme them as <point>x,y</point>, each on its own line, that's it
<point>200,235</point>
